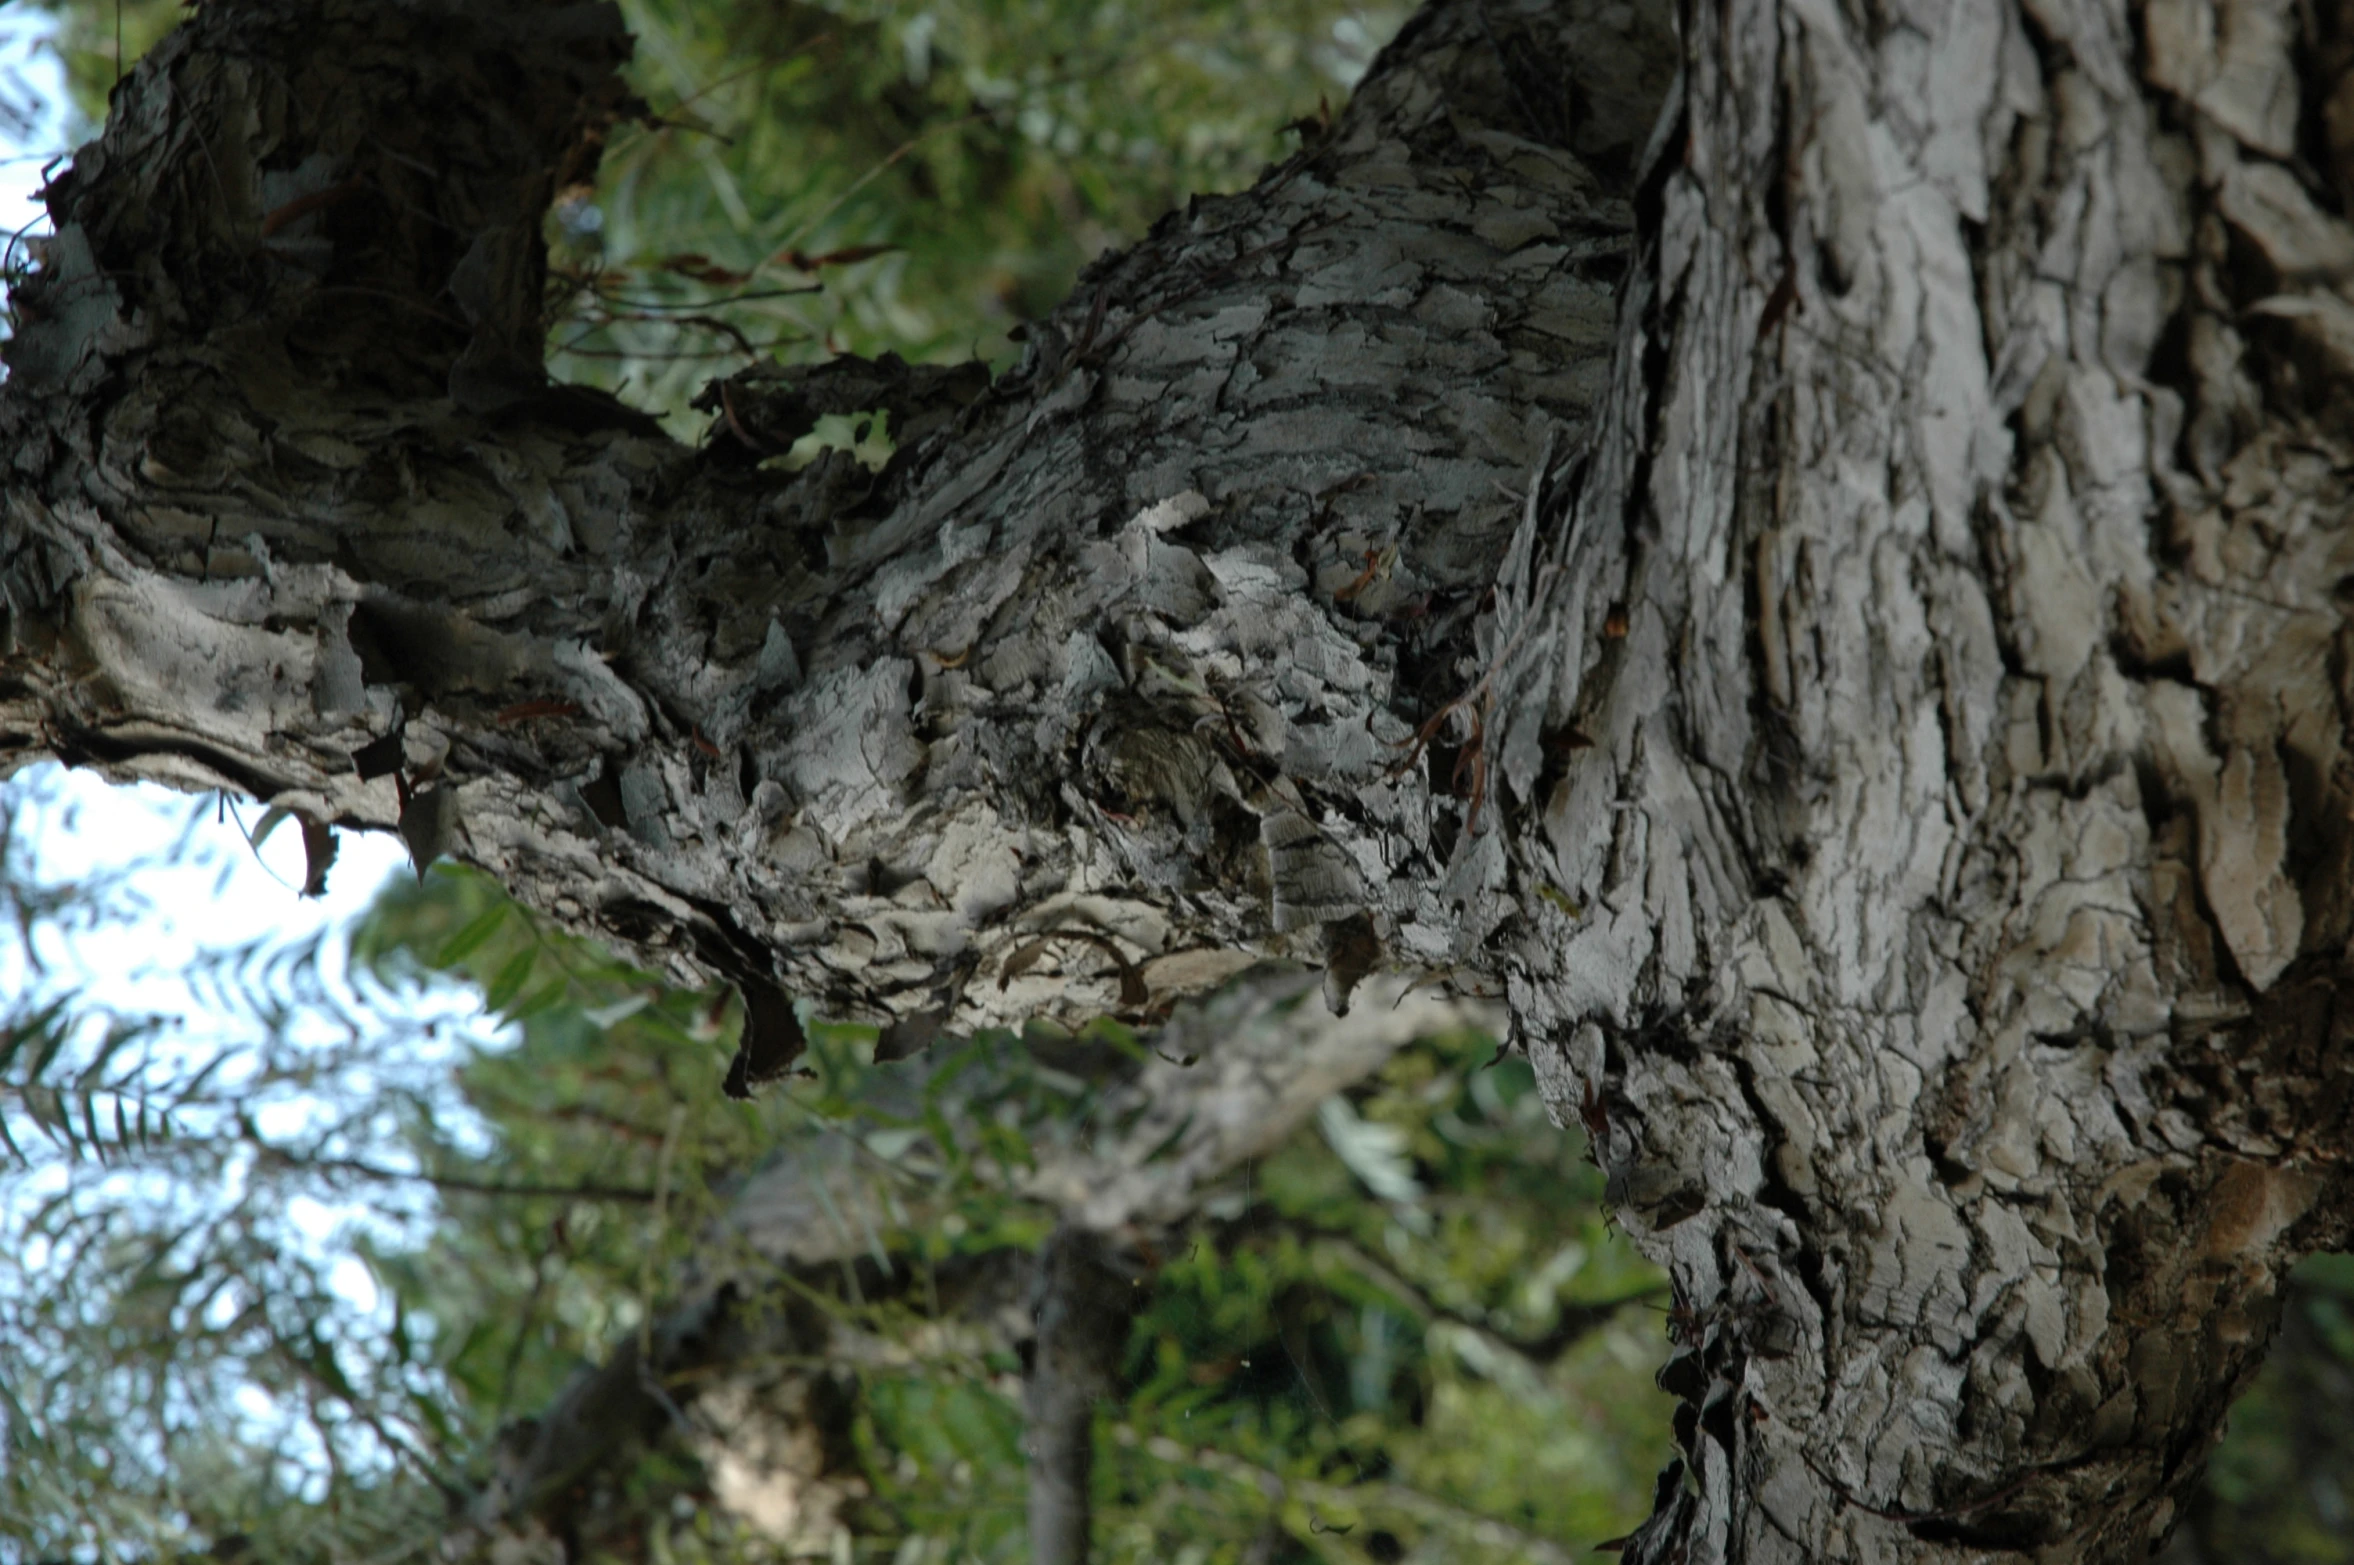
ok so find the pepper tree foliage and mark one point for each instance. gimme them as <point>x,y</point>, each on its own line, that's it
<point>1368,1320</point>
<point>1407,1333</point>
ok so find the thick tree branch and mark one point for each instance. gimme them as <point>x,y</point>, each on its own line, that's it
<point>1133,644</point>
<point>1095,697</point>
<point>1085,1295</point>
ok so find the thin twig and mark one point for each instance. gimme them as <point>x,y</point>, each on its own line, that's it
<point>343,1165</point>
<point>678,1114</point>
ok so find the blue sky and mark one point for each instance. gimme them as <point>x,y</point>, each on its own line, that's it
<point>31,81</point>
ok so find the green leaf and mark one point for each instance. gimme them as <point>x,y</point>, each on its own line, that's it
<point>49,1020</point>
<point>267,824</point>
<point>429,1412</point>
<point>117,1036</point>
<point>13,1039</point>
<point>546,998</point>
<point>510,980</point>
<point>468,940</point>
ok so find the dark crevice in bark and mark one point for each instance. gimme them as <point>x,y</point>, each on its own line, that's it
<point>99,747</point>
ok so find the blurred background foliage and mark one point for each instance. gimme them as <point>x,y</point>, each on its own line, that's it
<point>1409,1327</point>
<point>282,1281</point>
<point>1406,1334</point>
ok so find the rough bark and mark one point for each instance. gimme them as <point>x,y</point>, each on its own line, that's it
<point>1963,845</point>
<point>1129,645</point>
<point>1869,691</point>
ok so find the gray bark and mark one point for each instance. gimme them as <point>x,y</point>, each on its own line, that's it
<point>1835,619</point>
<point>1964,837</point>
<point>1133,644</point>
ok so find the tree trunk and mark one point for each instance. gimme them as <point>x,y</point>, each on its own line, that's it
<point>1836,618</point>
<point>1963,841</point>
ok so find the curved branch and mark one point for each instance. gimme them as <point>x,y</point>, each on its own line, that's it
<point>1099,650</point>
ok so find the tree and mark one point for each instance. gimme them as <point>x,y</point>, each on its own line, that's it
<point>1395,1331</point>
<point>1693,573</point>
